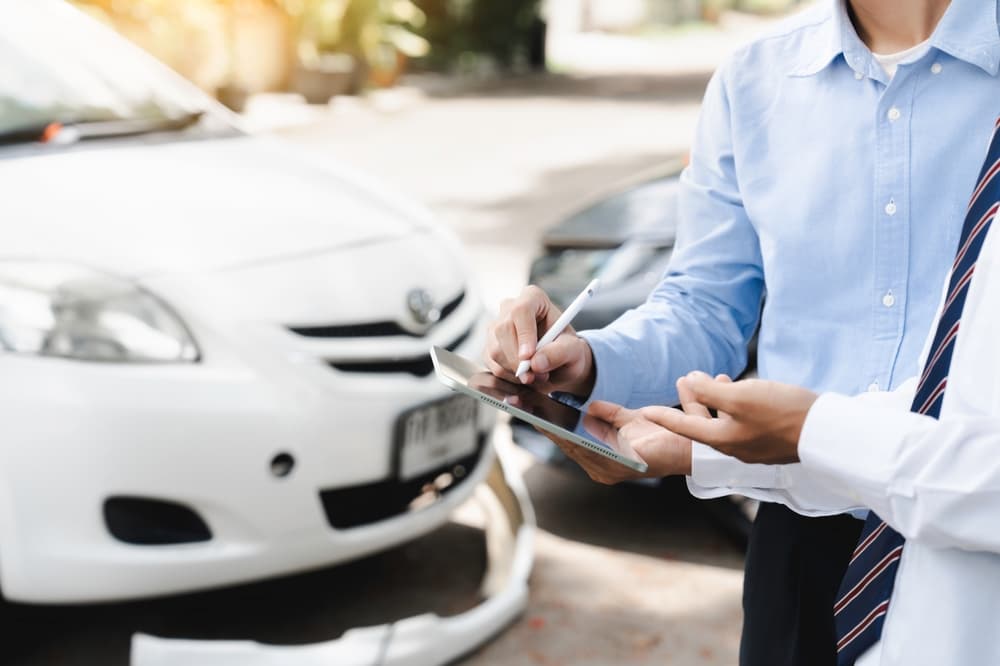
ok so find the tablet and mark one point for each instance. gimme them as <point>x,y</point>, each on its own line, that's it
<point>534,408</point>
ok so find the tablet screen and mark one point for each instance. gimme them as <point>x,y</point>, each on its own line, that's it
<point>548,410</point>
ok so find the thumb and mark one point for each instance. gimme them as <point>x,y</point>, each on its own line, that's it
<point>564,350</point>
<point>614,414</point>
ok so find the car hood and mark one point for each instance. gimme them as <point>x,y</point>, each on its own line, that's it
<point>140,208</point>
<point>644,212</point>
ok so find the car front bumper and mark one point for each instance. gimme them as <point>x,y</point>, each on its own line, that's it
<point>417,641</point>
<point>202,436</point>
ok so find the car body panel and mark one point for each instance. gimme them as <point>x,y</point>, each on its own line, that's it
<point>243,239</point>
<point>423,640</point>
<point>147,206</point>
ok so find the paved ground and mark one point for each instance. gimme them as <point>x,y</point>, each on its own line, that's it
<point>622,575</point>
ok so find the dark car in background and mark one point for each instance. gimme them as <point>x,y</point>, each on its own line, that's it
<point>626,238</point>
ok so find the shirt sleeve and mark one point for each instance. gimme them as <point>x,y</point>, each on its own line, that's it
<point>797,486</point>
<point>705,309</point>
<point>933,481</point>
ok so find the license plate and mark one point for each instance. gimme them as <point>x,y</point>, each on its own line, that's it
<point>434,435</point>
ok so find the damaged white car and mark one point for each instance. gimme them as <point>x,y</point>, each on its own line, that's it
<point>213,349</point>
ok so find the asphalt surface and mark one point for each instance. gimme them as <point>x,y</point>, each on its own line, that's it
<point>622,575</point>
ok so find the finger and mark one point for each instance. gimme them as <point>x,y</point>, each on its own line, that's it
<point>610,412</point>
<point>713,394</point>
<point>506,344</point>
<point>564,350</point>
<point>599,428</point>
<point>597,467</point>
<point>515,401</point>
<point>725,379</point>
<point>498,370</point>
<point>530,308</point>
<point>689,403</point>
<point>708,431</point>
<point>604,410</point>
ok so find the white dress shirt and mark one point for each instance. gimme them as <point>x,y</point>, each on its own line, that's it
<point>937,482</point>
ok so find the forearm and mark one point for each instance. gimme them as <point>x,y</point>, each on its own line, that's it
<point>714,474</point>
<point>932,481</point>
<point>796,486</point>
<point>639,357</point>
<point>704,311</point>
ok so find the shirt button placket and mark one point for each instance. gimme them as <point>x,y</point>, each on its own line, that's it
<point>890,232</point>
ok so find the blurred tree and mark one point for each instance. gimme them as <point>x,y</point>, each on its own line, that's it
<point>378,34</point>
<point>509,33</point>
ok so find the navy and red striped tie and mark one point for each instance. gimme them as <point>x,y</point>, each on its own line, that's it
<point>864,595</point>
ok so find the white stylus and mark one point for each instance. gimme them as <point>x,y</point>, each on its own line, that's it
<point>561,323</point>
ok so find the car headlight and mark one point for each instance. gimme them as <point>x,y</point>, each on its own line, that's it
<point>69,311</point>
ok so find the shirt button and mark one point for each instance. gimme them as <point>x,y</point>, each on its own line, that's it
<point>893,114</point>
<point>890,208</point>
<point>859,75</point>
<point>888,300</point>
<point>873,387</point>
<point>936,68</point>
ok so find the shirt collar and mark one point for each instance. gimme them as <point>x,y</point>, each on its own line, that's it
<point>967,31</point>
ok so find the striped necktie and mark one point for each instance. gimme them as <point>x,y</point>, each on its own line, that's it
<point>867,586</point>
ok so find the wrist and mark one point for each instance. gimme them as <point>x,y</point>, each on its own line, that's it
<point>793,430</point>
<point>586,375</point>
<point>684,465</point>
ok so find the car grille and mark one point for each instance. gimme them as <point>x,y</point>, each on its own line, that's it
<point>372,502</point>
<point>420,366</point>
<point>376,329</point>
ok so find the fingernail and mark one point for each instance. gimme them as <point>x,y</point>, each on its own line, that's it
<point>525,350</point>
<point>540,363</point>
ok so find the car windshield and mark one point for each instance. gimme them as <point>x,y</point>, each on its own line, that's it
<point>59,66</point>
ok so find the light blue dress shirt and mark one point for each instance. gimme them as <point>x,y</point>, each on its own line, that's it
<point>838,191</point>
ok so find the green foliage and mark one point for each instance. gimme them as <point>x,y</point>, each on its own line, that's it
<point>459,30</point>
<point>366,29</point>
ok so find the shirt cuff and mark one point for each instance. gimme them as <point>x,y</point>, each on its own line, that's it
<point>613,366</point>
<point>711,469</point>
<point>851,445</point>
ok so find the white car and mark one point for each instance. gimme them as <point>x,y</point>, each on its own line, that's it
<point>213,348</point>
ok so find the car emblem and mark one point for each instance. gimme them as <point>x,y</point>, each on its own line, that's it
<point>422,308</point>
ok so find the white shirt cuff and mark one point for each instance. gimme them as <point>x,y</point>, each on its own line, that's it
<point>848,443</point>
<point>715,474</point>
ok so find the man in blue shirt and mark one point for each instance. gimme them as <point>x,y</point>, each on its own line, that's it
<point>832,157</point>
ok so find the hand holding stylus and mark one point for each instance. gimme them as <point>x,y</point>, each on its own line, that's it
<point>561,324</point>
<point>559,361</point>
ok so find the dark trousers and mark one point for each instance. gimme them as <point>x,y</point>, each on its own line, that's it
<point>793,570</point>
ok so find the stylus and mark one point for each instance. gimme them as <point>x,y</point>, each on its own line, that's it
<point>561,323</point>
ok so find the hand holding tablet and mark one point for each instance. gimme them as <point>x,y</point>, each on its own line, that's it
<point>597,437</point>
